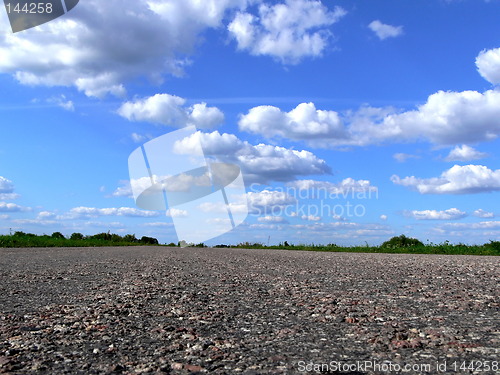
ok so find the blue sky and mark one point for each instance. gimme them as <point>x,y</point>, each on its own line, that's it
<point>392,108</point>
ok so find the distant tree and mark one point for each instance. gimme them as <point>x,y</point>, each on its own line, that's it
<point>148,240</point>
<point>402,241</point>
<point>130,238</point>
<point>76,236</point>
<point>58,235</point>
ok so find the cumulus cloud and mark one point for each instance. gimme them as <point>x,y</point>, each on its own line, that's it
<point>302,123</point>
<point>260,163</point>
<point>7,189</point>
<point>451,214</point>
<point>446,118</point>
<point>465,153</point>
<point>488,65</point>
<point>169,110</point>
<point>384,31</point>
<point>12,207</point>
<point>287,31</point>
<point>85,212</point>
<point>483,214</point>
<point>458,179</point>
<point>102,44</point>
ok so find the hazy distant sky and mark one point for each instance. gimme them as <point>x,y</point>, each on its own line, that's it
<point>389,109</point>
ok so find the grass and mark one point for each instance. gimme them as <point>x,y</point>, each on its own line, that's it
<point>396,245</point>
<point>491,248</point>
<point>21,239</point>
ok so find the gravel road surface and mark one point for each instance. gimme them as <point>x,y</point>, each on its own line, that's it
<point>147,310</point>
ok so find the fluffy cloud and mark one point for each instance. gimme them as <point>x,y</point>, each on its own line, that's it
<point>446,118</point>
<point>465,153</point>
<point>451,214</point>
<point>384,31</point>
<point>85,212</point>
<point>288,31</point>
<point>168,110</point>
<point>101,44</point>
<point>483,214</point>
<point>302,123</point>
<point>458,179</point>
<point>260,163</point>
<point>12,207</point>
<point>7,189</point>
<point>488,65</point>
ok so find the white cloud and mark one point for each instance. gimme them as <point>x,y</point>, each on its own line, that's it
<point>102,44</point>
<point>44,215</point>
<point>41,222</point>
<point>348,185</point>
<point>303,122</point>
<point>287,31</point>
<point>488,65</point>
<point>175,212</point>
<point>269,199</point>
<point>4,217</point>
<point>272,219</point>
<point>483,214</point>
<point>12,207</point>
<point>85,212</point>
<point>469,226</point>
<point>402,157</point>
<point>7,189</point>
<point>260,163</point>
<point>168,110</point>
<point>446,118</point>
<point>310,218</point>
<point>384,31</point>
<point>450,214</point>
<point>465,153</point>
<point>62,102</point>
<point>383,217</point>
<point>458,179</point>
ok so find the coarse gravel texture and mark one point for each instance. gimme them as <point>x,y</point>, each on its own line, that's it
<point>147,310</point>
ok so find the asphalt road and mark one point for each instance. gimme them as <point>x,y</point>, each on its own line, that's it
<point>232,311</point>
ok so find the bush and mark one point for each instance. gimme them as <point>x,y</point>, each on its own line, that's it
<point>130,238</point>
<point>402,242</point>
<point>76,236</point>
<point>149,240</point>
<point>58,235</point>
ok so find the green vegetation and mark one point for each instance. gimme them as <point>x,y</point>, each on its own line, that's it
<point>400,244</point>
<point>57,239</point>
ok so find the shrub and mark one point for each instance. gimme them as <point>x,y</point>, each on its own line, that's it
<point>58,235</point>
<point>402,241</point>
<point>149,240</point>
<point>130,238</point>
<point>77,236</point>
